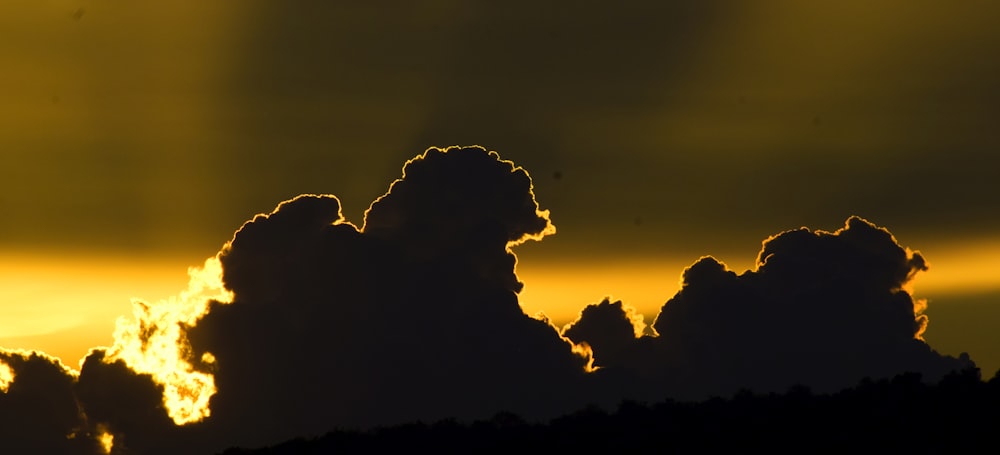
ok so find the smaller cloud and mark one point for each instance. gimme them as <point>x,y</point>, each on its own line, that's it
<point>609,328</point>
<point>824,309</point>
<point>38,407</point>
<point>125,406</point>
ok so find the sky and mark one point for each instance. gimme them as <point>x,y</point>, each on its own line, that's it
<point>136,139</point>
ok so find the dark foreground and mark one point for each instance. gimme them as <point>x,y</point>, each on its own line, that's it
<point>958,415</point>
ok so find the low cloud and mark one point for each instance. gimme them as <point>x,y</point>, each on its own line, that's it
<point>823,309</point>
<point>610,329</point>
<point>38,408</point>
<point>305,322</point>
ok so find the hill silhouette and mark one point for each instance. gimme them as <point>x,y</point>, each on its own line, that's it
<point>901,414</point>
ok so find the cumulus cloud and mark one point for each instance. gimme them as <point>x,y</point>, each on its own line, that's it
<point>413,316</point>
<point>824,309</point>
<point>608,328</point>
<point>38,408</point>
<point>129,407</point>
<point>305,322</point>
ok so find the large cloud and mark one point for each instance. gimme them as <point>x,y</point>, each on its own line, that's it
<point>415,316</point>
<point>305,322</point>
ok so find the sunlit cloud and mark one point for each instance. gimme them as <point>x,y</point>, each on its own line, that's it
<point>107,441</point>
<point>154,342</point>
<point>65,303</point>
<point>6,377</point>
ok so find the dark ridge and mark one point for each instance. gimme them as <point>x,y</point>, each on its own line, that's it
<point>901,414</point>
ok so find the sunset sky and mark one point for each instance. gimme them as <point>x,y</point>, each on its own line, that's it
<point>136,138</point>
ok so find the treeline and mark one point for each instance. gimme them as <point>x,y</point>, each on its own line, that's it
<point>959,414</point>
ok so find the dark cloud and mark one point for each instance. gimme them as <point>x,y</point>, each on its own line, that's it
<point>126,405</point>
<point>38,408</point>
<point>822,309</point>
<point>415,316</point>
<point>610,329</point>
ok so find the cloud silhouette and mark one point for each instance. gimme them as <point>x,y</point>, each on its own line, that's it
<point>38,408</point>
<point>821,309</point>
<point>414,316</point>
<point>305,322</point>
<point>609,329</point>
<point>128,406</point>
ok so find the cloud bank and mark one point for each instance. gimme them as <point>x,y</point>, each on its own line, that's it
<point>305,322</point>
<point>823,309</point>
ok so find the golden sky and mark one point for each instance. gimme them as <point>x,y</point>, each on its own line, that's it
<point>135,138</point>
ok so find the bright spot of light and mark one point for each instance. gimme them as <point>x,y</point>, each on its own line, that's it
<point>107,441</point>
<point>6,377</point>
<point>154,343</point>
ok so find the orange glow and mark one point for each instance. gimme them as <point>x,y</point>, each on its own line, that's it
<point>561,290</point>
<point>6,377</point>
<point>967,267</point>
<point>107,441</point>
<point>153,343</point>
<point>64,305</point>
<point>68,304</point>
<point>584,350</point>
